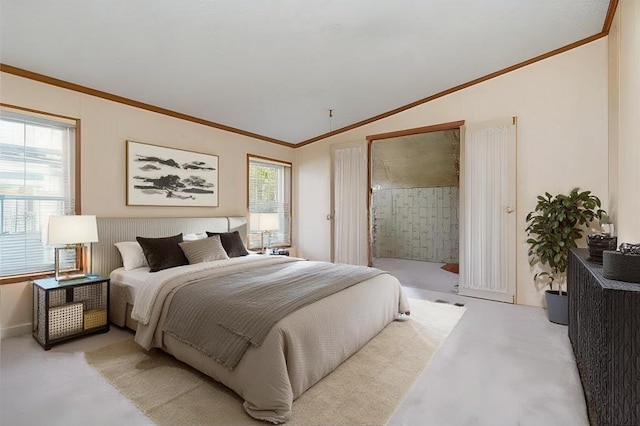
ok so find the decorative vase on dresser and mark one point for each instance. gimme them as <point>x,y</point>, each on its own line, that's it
<point>598,243</point>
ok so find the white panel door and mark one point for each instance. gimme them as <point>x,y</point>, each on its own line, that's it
<point>488,219</point>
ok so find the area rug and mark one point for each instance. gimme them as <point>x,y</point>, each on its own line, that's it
<point>366,389</point>
<point>451,267</point>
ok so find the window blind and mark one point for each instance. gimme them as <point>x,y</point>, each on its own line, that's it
<point>270,192</point>
<point>37,180</point>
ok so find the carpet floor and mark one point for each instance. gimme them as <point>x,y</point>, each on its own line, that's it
<point>365,389</point>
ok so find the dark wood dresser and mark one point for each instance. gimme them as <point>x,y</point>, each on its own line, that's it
<point>604,329</point>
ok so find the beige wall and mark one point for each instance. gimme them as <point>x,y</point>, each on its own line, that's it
<point>561,105</point>
<point>105,126</point>
<point>624,123</point>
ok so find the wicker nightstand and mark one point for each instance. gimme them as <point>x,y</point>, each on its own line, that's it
<point>68,309</point>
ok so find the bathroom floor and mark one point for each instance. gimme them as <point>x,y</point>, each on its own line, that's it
<point>418,274</point>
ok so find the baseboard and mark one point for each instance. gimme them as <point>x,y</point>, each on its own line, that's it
<point>16,330</point>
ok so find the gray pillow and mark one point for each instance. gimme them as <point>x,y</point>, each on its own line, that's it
<point>204,250</point>
<point>163,253</point>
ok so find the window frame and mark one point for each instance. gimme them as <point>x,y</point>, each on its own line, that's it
<point>12,279</point>
<point>282,163</point>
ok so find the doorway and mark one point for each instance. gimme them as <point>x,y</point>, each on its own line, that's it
<point>414,204</point>
<point>487,202</point>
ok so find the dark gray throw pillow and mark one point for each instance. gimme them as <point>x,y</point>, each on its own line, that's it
<point>231,242</point>
<point>163,253</point>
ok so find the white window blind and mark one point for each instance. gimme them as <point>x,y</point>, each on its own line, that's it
<point>269,192</point>
<point>37,180</point>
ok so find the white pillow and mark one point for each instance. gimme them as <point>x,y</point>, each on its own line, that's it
<point>193,237</point>
<point>132,255</point>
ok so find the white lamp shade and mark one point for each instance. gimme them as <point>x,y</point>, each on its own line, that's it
<point>265,221</point>
<point>270,221</point>
<point>72,230</point>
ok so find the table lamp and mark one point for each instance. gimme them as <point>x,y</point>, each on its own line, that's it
<point>72,233</point>
<point>265,223</point>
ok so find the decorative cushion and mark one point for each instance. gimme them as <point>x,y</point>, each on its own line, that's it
<point>204,250</point>
<point>163,253</point>
<point>621,267</point>
<point>231,242</point>
<point>132,255</point>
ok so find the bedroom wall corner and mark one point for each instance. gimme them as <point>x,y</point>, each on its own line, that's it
<point>624,82</point>
<point>613,51</point>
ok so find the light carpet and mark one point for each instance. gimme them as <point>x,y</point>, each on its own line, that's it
<point>365,389</point>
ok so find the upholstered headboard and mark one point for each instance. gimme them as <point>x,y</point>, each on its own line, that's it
<point>105,257</point>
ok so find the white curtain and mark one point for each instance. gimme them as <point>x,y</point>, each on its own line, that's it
<point>487,246</point>
<point>349,192</point>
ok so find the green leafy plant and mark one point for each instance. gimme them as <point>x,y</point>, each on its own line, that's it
<point>554,227</point>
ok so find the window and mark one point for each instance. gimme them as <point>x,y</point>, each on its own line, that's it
<point>269,192</point>
<point>37,180</point>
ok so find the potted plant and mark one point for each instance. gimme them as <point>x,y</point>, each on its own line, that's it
<point>553,227</point>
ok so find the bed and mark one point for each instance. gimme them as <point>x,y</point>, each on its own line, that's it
<point>298,351</point>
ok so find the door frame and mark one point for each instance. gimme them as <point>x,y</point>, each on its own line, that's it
<point>452,125</point>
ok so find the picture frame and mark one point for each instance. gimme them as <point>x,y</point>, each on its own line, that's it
<point>163,176</point>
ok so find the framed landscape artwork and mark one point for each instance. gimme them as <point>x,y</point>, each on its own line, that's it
<point>160,176</point>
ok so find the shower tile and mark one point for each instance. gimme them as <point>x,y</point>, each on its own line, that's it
<point>417,223</point>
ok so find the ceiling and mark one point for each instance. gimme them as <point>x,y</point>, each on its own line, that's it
<point>275,68</point>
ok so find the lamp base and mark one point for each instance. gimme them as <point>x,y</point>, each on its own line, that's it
<point>70,274</point>
<point>69,277</point>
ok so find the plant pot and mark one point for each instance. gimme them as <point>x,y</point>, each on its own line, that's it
<point>557,307</point>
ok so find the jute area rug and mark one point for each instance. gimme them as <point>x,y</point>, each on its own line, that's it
<point>365,389</point>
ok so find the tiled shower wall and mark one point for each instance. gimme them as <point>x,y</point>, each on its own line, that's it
<point>416,224</point>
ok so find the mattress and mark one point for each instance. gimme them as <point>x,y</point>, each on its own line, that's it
<point>134,278</point>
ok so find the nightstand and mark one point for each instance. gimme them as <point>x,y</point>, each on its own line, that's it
<point>64,310</point>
